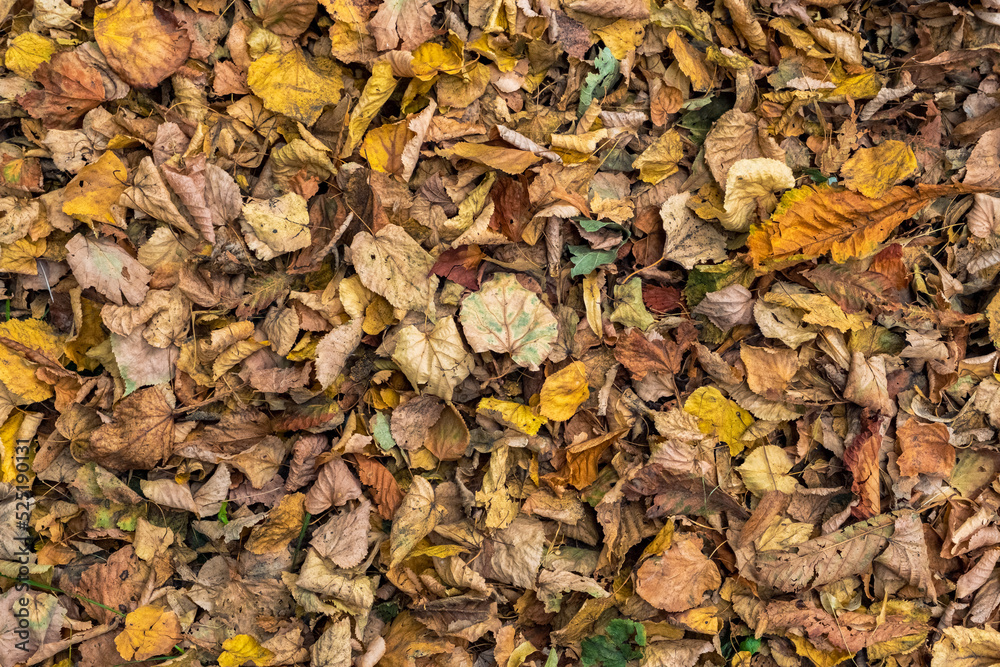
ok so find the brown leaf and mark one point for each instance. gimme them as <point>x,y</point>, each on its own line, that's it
<point>344,537</point>
<point>862,459</point>
<point>826,559</point>
<point>448,438</point>
<point>334,486</point>
<point>73,83</point>
<point>737,136</point>
<point>926,448</point>
<point>678,580</point>
<point>141,434</point>
<point>385,489</point>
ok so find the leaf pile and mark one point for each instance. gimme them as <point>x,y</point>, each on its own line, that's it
<point>502,332</point>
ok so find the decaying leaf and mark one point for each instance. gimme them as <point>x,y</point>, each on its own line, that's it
<point>414,333</point>
<point>677,580</point>
<point>505,317</point>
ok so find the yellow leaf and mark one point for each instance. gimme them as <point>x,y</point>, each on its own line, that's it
<point>26,52</point>
<point>820,309</point>
<point>438,551</point>
<point>750,185</point>
<point>622,36</point>
<point>515,415</point>
<point>377,91</point>
<point>292,85</point>
<point>378,316</point>
<point>149,631</point>
<point>16,372</point>
<point>661,158</point>
<point>383,147</point>
<point>509,160</point>
<point>812,221</point>
<point>143,43</point>
<point>237,650</point>
<point>493,48</point>
<point>719,416</point>
<point>970,647</point>
<point>564,392</point>
<point>592,302</point>
<point>461,91</point>
<point>283,523</point>
<point>21,256</point>
<point>662,541</point>
<point>858,87</point>
<point>92,192</point>
<point>817,656</point>
<point>765,469</point>
<point>703,620</point>
<point>691,61</point>
<point>278,225</point>
<point>414,519</point>
<point>872,171</point>
<point>432,58</point>
<point>8,442</point>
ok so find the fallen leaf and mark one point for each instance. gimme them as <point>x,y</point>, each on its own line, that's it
<point>289,84</point>
<point>276,226</point>
<point>719,416</point>
<point>95,189</point>
<point>437,360</point>
<point>140,436</point>
<point>101,264</point>
<point>392,264</point>
<point>751,185</point>
<point>416,517</point>
<point>564,391</point>
<point>141,61</point>
<point>677,580</point>
<point>240,649</point>
<point>810,564</point>
<point>766,469</point>
<point>873,171</point>
<point>926,449</point>
<point>812,221</point>
<point>505,317</point>
<point>149,631</point>
<point>690,240</point>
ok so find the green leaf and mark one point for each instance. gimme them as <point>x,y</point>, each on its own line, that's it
<point>624,631</point>
<point>617,648</point>
<point>381,432</point>
<point>599,651</point>
<point>586,260</point>
<point>594,225</point>
<point>599,83</point>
